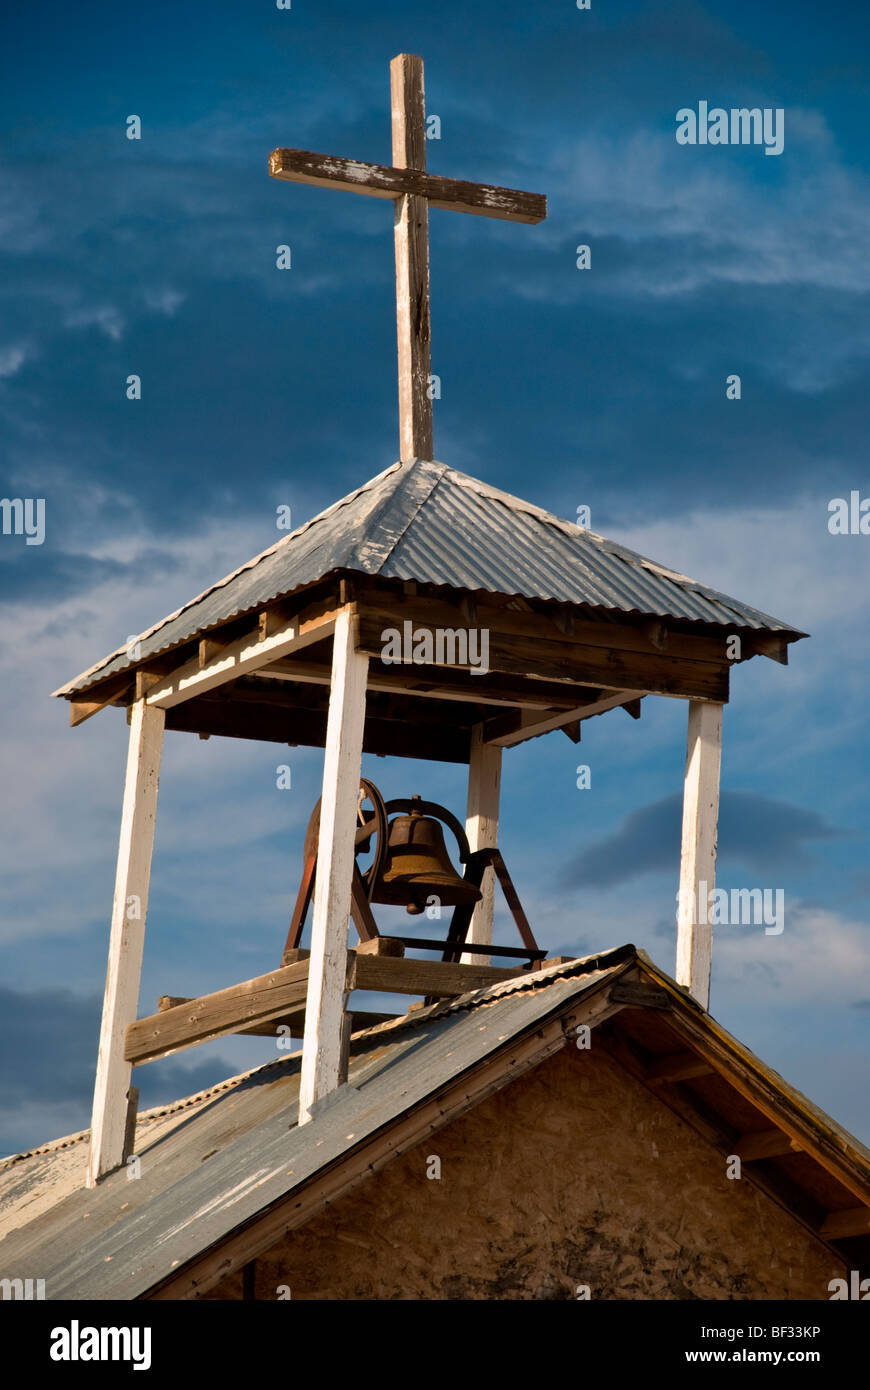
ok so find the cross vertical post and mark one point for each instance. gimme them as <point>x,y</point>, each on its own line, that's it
<point>407,184</point>
<point>411,231</point>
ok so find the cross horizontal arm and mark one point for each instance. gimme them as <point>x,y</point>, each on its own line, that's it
<point>384,181</point>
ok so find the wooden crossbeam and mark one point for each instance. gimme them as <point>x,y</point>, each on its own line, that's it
<point>80,710</point>
<point>438,682</point>
<point>242,657</point>
<point>385,181</point>
<point>265,999</point>
<point>280,996</point>
<point>570,661</point>
<point>440,979</point>
<point>680,1066</point>
<point>545,622</point>
<point>294,1021</point>
<point>765,1143</point>
<point>507,730</point>
<point>774,646</point>
<point>640,996</point>
<point>842,1225</point>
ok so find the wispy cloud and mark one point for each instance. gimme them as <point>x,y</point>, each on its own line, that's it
<point>724,223</point>
<point>106,317</point>
<point>13,357</point>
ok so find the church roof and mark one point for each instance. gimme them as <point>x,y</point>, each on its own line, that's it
<point>426,522</point>
<point>217,1162</point>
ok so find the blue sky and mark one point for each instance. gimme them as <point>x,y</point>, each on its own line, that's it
<point>262,388</point>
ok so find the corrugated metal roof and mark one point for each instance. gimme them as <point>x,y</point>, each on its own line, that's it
<point>241,1150</point>
<point>217,1161</point>
<point>426,522</point>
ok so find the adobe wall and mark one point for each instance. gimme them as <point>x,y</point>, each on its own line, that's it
<point>573,1174</point>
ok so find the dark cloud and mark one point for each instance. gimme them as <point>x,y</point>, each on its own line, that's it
<point>753,830</point>
<point>48,1054</point>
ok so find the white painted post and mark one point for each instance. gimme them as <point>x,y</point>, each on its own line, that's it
<point>698,857</point>
<point>321,1046</point>
<point>121,999</point>
<point>481,827</point>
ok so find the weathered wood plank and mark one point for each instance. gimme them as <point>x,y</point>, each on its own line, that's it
<point>383,181</point>
<point>640,996</point>
<point>294,1020</point>
<point>437,978</point>
<point>280,997</point>
<point>264,999</point>
<point>553,624</point>
<point>80,710</point>
<point>572,661</point>
<point>241,657</point>
<point>132,878</point>
<point>507,730</point>
<point>411,235</point>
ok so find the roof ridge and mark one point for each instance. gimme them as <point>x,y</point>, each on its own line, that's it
<point>411,463</point>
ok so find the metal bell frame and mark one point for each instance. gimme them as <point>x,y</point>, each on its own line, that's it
<point>475,862</point>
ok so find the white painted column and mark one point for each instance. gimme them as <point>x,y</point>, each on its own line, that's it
<point>481,827</point>
<point>321,1046</point>
<point>698,856</point>
<point>121,1000</point>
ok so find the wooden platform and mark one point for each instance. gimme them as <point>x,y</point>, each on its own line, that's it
<point>261,1005</point>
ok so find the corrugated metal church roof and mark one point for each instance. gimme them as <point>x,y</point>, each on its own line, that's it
<point>426,522</point>
<point>216,1161</point>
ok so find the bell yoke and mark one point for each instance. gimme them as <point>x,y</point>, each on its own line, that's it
<point>411,868</point>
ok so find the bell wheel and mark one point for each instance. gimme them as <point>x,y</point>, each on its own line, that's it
<point>370,844</point>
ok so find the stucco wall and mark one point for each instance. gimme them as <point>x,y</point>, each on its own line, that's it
<point>572,1175</point>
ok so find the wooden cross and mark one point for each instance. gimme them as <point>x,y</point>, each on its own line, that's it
<point>413,191</point>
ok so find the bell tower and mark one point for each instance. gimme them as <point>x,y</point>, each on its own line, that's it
<point>298,647</point>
